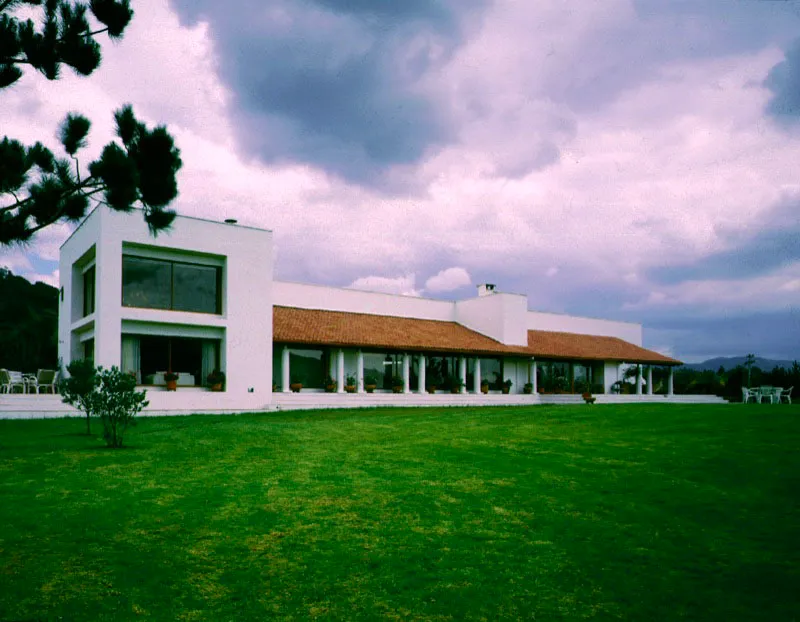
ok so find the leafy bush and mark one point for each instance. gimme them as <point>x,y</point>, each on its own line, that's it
<point>78,389</point>
<point>107,393</point>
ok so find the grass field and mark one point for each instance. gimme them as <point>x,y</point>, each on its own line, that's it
<point>652,512</point>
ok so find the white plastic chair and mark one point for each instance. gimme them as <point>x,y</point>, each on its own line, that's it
<point>748,394</point>
<point>44,379</point>
<point>786,394</point>
<point>11,379</point>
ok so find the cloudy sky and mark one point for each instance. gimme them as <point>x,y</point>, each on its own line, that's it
<point>627,159</point>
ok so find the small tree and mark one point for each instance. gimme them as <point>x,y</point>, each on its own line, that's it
<point>107,393</point>
<point>117,402</point>
<point>78,390</point>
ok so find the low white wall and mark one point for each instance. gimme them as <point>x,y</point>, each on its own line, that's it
<point>628,331</point>
<point>306,296</point>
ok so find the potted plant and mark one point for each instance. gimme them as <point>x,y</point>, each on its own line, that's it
<point>434,380</point>
<point>370,383</point>
<point>350,384</point>
<point>456,384</point>
<point>587,394</point>
<point>527,388</point>
<point>507,386</point>
<point>484,386</point>
<point>330,385</point>
<point>216,379</point>
<point>397,384</point>
<point>171,378</point>
<point>295,385</point>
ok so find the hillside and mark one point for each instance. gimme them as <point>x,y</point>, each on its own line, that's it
<point>28,324</point>
<point>731,362</point>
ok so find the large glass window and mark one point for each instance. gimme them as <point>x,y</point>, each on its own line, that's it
<point>440,371</point>
<point>194,288</point>
<point>88,349</point>
<point>88,291</point>
<point>554,377</point>
<point>382,367</point>
<point>148,357</point>
<point>308,366</point>
<point>159,284</point>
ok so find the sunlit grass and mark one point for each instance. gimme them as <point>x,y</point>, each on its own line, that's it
<point>628,512</point>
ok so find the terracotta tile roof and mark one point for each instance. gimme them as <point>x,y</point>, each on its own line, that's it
<point>364,330</point>
<point>549,344</point>
<point>338,328</point>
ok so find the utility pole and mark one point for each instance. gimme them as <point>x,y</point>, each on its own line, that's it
<point>749,360</point>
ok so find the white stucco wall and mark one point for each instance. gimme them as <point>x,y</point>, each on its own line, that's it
<point>499,316</point>
<point>304,296</point>
<point>630,332</point>
<point>245,324</point>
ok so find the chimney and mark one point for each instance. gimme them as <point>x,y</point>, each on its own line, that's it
<point>486,289</point>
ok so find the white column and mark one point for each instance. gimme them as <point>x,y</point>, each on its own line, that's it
<point>406,373</point>
<point>340,371</point>
<point>669,383</point>
<point>285,369</point>
<point>534,382</point>
<point>462,372</point>
<point>360,372</point>
<point>649,380</point>
<point>421,387</point>
<point>477,381</point>
<point>638,379</point>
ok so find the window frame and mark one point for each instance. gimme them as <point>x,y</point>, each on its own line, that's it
<point>172,263</point>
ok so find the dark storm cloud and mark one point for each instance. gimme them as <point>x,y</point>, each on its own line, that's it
<point>776,245</point>
<point>772,335</point>
<point>332,83</point>
<point>784,83</point>
<point>624,55</point>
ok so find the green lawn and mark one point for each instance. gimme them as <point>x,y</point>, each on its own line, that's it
<point>649,512</point>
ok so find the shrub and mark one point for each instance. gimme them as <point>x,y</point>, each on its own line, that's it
<point>350,381</point>
<point>107,393</point>
<point>370,379</point>
<point>117,402</point>
<point>78,389</point>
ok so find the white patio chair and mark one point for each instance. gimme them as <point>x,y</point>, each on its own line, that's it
<point>750,394</point>
<point>786,394</point>
<point>9,380</point>
<point>44,379</point>
<point>773,394</point>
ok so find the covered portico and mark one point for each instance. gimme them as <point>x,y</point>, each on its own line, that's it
<point>364,353</point>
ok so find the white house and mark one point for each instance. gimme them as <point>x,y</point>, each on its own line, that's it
<point>202,297</point>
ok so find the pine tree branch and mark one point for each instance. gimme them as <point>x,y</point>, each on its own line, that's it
<point>11,60</point>
<point>95,32</point>
<point>89,182</point>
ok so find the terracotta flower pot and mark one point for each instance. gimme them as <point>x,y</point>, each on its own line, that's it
<point>296,386</point>
<point>172,385</point>
<point>484,388</point>
<point>216,387</point>
<point>349,388</point>
<point>369,388</point>
<point>397,389</point>
<point>431,389</point>
<point>506,390</point>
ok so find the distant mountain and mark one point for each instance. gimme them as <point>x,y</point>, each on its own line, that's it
<point>732,361</point>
